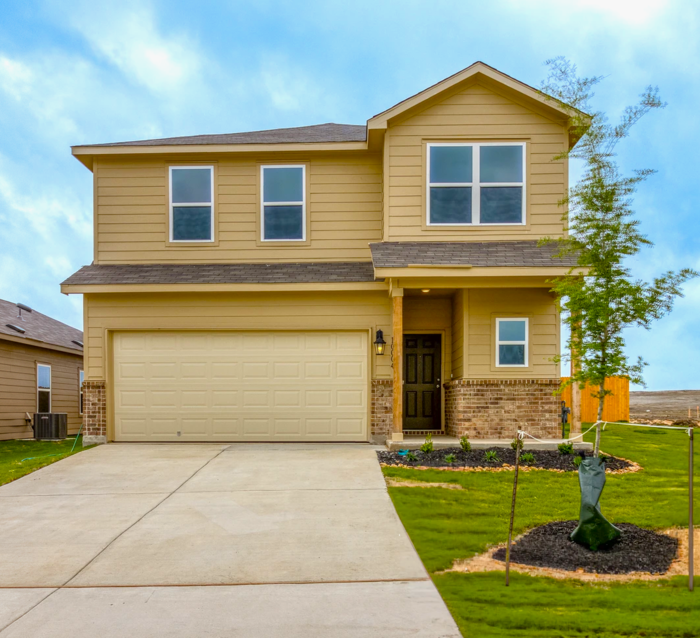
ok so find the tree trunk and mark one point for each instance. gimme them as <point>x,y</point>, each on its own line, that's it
<point>599,423</point>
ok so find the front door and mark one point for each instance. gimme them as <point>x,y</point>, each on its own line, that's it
<point>421,390</point>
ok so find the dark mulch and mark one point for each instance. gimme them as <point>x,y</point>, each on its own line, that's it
<point>637,550</point>
<point>544,459</point>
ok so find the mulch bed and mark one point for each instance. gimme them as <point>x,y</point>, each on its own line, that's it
<point>637,550</point>
<point>544,459</point>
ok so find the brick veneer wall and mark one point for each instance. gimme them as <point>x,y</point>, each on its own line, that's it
<point>382,414</point>
<point>94,412</point>
<point>495,408</point>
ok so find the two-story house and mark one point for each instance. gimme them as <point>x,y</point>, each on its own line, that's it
<point>331,282</point>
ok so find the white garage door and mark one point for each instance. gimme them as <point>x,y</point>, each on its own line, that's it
<point>240,386</point>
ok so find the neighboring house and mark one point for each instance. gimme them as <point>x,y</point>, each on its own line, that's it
<point>41,370</point>
<point>240,281</point>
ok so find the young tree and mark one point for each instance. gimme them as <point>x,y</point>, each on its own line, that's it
<point>599,298</point>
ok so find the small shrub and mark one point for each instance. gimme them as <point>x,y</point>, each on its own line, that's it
<point>577,460</point>
<point>517,443</point>
<point>566,448</point>
<point>465,444</point>
<point>411,457</point>
<point>527,458</point>
<point>491,456</point>
<point>427,447</point>
<point>450,458</point>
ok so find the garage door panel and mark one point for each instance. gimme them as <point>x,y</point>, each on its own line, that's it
<point>292,386</point>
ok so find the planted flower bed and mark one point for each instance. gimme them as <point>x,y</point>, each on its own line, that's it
<point>495,457</point>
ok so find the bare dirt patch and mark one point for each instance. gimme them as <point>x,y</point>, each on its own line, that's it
<point>665,406</point>
<point>392,482</point>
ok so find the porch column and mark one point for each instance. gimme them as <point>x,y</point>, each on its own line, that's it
<point>575,427</point>
<point>397,363</point>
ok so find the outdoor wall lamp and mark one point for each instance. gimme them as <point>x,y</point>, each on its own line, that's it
<point>379,343</point>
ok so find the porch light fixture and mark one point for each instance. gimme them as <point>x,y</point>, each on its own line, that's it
<point>425,290</point>
<point>379,343</point>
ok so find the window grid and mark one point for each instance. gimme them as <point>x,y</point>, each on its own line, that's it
<point>512,343</point>
<point>475,184</point>
<point>173,204</point>
<point>301,203</point>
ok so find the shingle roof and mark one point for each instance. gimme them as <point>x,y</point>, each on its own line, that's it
<point>301,135</point>
<point>38,327</point>
<point>279,273</point>
<point>493,253</point>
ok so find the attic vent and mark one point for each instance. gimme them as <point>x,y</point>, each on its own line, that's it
<point>17,328</point>
<point>21,306</point>
<point>77,343</point>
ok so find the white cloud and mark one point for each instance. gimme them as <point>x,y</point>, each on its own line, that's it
<point>126,34</point>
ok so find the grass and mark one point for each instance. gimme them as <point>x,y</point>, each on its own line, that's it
<point>446,525</point>
<point>39,454</point>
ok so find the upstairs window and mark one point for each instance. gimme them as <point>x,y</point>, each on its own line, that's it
<point>191,203</point>
<point>43,388</point>
<point>511,342</point>
<point>476,184</point>
<point>283,203</point>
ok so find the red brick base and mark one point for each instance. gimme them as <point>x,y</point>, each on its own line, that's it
<point>94,412</point>
<point>496,408</point>
<point>382,415</point>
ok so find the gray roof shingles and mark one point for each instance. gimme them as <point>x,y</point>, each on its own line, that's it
<point>38,327</point>
<point>277,273</point>
<point>493,254</point>
<point>318,133</point>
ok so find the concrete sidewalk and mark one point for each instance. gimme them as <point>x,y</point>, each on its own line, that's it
<point>216,540</point>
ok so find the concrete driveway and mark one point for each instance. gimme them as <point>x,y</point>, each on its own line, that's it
<point>211,540</point>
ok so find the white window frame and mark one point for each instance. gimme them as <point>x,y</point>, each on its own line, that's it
<point>50,388</point>
<point>475,184</point>
<point>190,205</point>
<point>512,343</point>
<point>302,203</point>
<point>81,379</point>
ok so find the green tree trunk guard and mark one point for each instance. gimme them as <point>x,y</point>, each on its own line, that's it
<point>593,530</point>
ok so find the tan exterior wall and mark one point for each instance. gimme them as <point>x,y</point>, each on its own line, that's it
<point>459,318</point>
<point>233,311</point>
<point>473,114</point>
<point>18,393</point>
<point>484,306</point>
<point>344,209</point>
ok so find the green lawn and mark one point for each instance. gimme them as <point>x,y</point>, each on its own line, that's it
<point>38,453</point>
<point>450,524</point>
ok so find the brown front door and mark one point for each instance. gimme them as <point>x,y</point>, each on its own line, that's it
<point>421,390</point>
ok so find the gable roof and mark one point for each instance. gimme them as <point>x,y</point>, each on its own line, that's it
<point>38,329</point>
<point>318,133</point>
<point>475,72</point>
<point>353,136</point>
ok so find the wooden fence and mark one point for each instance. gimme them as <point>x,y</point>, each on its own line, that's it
<point>617,404</point>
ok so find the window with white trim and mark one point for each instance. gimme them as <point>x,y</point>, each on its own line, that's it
<point>511,342</point>
<point>191,203</point>
<point>476,183</point>
<point>283,200</point>
<point>81,378</point>
<point>43,388</point>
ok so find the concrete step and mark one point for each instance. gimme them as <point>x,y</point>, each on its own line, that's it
<point>442,441</point>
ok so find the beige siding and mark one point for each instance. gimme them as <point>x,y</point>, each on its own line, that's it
<point>18,387</point>
<point>458,336</point>
<point>233,311</point>
<point>344,205</point>
<point>474,114</point>
<point>485,305</point>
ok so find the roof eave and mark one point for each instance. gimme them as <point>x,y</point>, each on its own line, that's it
<point>35,343</point>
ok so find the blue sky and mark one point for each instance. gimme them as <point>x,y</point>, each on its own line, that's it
<point>87,72</point>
